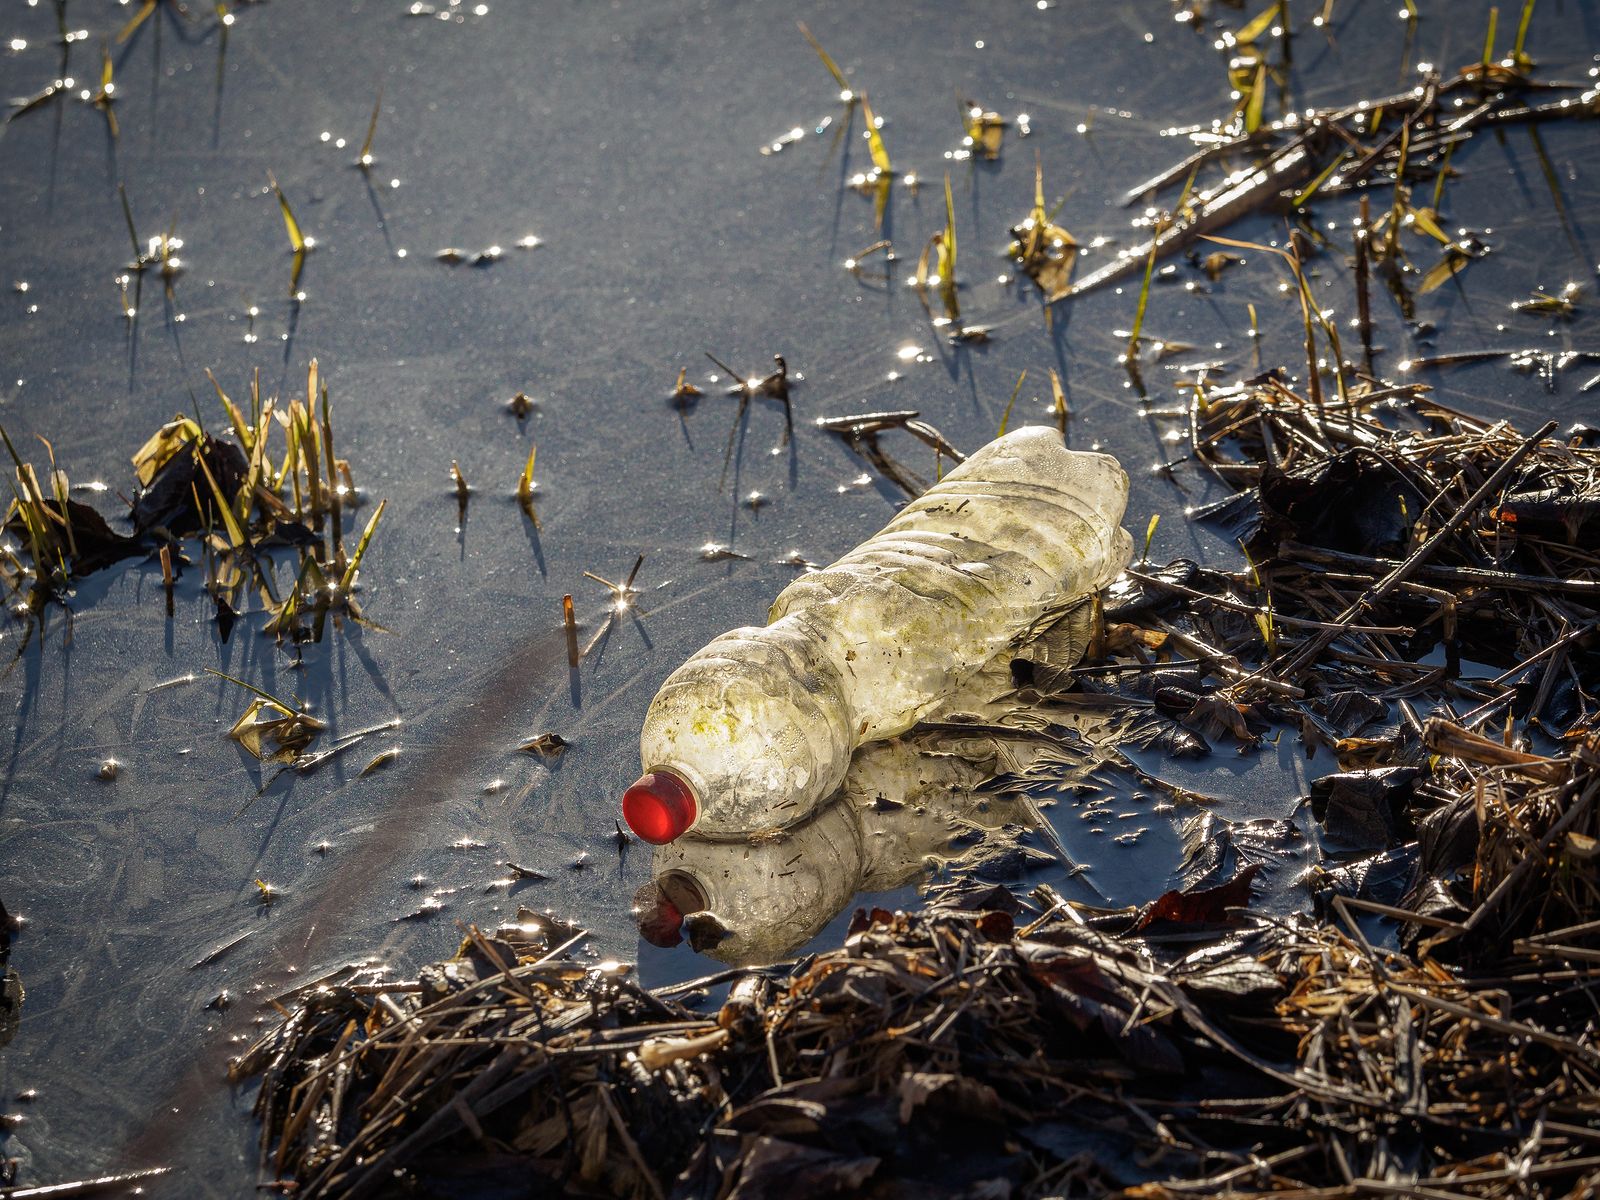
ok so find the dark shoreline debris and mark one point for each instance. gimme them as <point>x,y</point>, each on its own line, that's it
<point>1369,525</point>
<point>993,1049</point>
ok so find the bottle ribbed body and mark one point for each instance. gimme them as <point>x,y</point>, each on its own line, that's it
<point>762,722</point>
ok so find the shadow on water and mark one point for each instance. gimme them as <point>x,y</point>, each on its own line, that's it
<point>527,670</point>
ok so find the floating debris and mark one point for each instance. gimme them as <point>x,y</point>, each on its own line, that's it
<point>1562,304</point>
<point>860,432</point>
<point>1043,250</point>
<point>272,730</point>
<point>983,131</point>
<point>1336,150</point>
<point>548,746</point>
<point>127,1181</point>
<point>1547,364</point>
<point>454,256</point>
<point>1246,1034</point>
<point>684,393</point>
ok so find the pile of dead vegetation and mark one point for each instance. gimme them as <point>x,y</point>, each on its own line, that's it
<point>983,1048</point>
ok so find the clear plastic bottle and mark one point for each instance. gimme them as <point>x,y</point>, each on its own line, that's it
<point>900,812</point>
<point>756,729</point>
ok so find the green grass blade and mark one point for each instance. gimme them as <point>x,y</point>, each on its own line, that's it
<point>1006,416</point>
<point>297,240</point>
<point>880,152</point>
<point>1518,54</point>
<point>365,158</point>
<point>361,548</point>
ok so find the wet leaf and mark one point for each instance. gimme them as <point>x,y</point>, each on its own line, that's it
<point>280,738</point>
<point>380,760</point>
<point>1214,715</point>
<point>1218,261</point>
<point>97,544</point>
<point>1364,810</point>
<point>1450,264</point>
<point>1206,907</point>
<point>160,447</point>
<point>1216,849</point>
<point>1257,25</point>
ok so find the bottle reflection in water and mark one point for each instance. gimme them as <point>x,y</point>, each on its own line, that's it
<point>899,813</point>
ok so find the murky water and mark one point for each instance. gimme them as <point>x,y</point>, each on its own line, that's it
<point>627,140</point>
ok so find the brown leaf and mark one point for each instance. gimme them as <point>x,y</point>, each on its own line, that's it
<point>1209,906</point>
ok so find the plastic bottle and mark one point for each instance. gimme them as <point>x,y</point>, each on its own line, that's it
<point>900,812</point>
<point>756,729</point>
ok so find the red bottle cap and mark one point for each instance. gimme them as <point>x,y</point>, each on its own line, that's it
<point>659,807</point>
